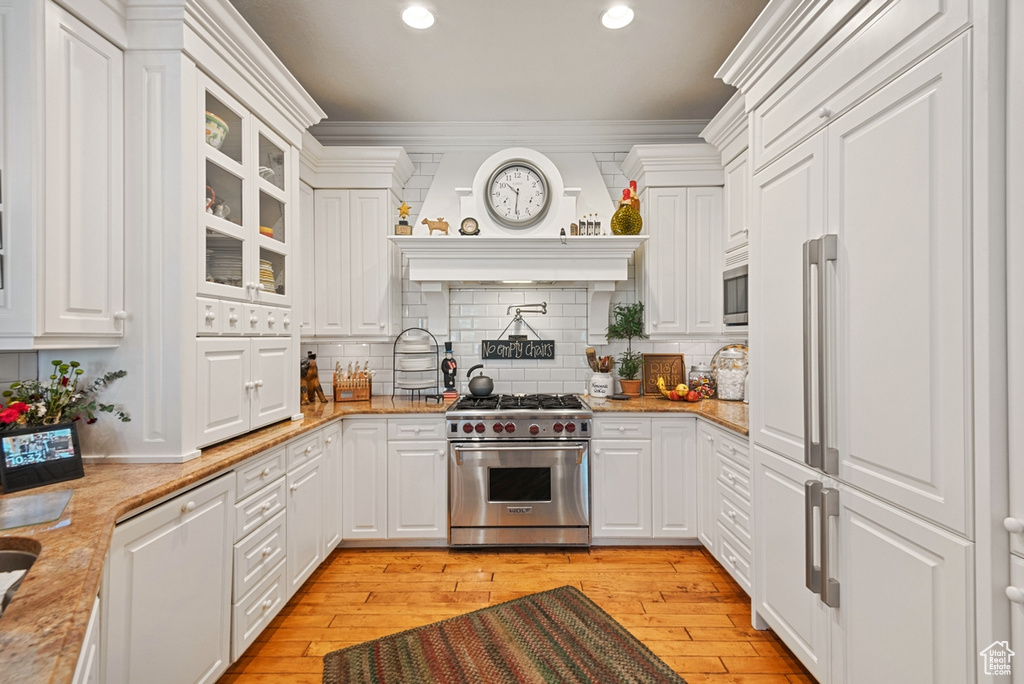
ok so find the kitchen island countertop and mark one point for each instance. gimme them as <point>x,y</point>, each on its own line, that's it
<point>42,630</point>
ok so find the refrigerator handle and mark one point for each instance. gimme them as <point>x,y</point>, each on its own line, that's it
<point>829,509</point>
<point>812,500</point>
<point>828,455</point>
<point>812,449</point>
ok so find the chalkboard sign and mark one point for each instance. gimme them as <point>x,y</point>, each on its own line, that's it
<point>517,349</point>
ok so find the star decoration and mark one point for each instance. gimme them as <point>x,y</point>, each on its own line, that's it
<point>403,211</point>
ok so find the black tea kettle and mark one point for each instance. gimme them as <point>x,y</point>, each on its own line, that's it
<point>481,385</point>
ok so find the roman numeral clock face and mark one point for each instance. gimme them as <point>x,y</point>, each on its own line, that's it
<point>517,194</point>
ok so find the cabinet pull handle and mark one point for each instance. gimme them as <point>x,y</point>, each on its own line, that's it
<point>188,507</point>
<point>732,515</point>
<point>266,505</point>
<point>250,385</point>
<point>812,500</point>
<point>732,560</point>
<point>732,449</point>
<point>267,604</point>
<point>829,509</point>
<point>1013,525</point>
<point>254,320</point>
<point>824,113</point>
<point>210,316</point>
<point>309,449</point>
<point>233,318</point>
<point>622,428</point>
<point>120,315</point>
<point>708,437</point>
<point>329,440</point>
<point>294,487</point>
<point>265,472</point>
<point>1015,594</point>
<point>259,383</point>
<point>267,551</point>
<point>287,322</point>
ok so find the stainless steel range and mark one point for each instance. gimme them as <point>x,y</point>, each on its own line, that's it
<point>519,470</point>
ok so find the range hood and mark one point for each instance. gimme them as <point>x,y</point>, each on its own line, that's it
<point>596,261</point>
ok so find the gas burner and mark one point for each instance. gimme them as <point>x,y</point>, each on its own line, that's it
<point>530,402</point>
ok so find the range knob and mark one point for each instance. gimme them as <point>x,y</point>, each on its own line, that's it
<point>510,427</point>
<point>570,427</point>
<point>534,429</point>
<point>557,427</point>
<point>467,427</point>
<point>498,427</point>
<point>480,428</point>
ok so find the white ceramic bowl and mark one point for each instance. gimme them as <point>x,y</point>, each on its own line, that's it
<point>216,130</point>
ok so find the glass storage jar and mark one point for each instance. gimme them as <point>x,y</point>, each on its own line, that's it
<point>701,380</point>
<point>730,374</point>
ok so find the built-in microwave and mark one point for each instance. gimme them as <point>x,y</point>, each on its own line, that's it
<point>735,295</point>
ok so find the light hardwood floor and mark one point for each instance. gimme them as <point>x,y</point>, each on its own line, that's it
<point>677,600</point>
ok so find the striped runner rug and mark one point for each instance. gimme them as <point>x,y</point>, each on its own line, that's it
<point>554,636</point>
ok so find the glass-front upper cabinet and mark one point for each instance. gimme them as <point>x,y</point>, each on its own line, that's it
<point>244,208</point>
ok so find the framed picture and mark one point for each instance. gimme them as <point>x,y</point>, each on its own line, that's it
<point>38,455</point>
<point>672,367</point>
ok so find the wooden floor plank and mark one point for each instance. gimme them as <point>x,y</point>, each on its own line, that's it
<point>676,600</point>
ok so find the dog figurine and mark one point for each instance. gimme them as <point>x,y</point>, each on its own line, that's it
<point>440,225</point>
<point>311,390</point>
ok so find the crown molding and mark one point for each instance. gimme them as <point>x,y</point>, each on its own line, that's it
<point>673,166</point>
<point>548,136</point>
<point>386,167</point>
<point>727,131</point>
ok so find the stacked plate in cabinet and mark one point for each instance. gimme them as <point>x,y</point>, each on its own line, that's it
<point>223,261</point>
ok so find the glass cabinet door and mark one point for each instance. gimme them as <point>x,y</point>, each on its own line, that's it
<point>244,210</point>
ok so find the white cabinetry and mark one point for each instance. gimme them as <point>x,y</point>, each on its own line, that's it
<point>87,671</point>
<point>332,468</point>
<point>737,191</point>
<point>244,383</point>
<point>727,529</point>
<point>355,283</point>
<point>167,590</point>
<point>305,519</point>
<point>62,255</point>
<point>680,265</point>
<point>644,482</point>
<point>395,479</point>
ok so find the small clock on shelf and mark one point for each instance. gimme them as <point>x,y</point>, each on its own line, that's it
<point>469,226</point>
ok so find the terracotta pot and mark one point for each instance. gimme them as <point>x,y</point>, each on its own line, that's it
<point>630,387</point>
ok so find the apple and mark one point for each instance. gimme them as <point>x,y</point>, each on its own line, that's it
<point>692,395</point>
<point>673,395</point>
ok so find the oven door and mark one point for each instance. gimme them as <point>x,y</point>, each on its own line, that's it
<point>513,484</point>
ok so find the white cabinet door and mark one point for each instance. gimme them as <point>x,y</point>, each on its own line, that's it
<point>704,260</point>
<point>417,490</point>
<point>83,283</point>
<point>674,477</point>
<point>889,559</point>
<point>305,522</point>
<point>332,486</point>
<point>1017,615</point>
<point>223,402</point>
<point>275,379</point>
<point>664,261</point>
<point>87,671</point>
<point>788,210</point>
<point>364,480</point>
<point>370,271</point>
<point>707,488</point>
<point>737,190</point>
<point>332,261</point>
<point>621,488</point>
<point>899,200</point>
<point>781,597</point>
<point>167,590</point>
<point>307,262</point>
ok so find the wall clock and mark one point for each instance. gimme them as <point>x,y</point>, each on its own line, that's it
<point>518,194</point>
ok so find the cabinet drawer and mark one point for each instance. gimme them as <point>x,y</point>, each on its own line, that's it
<point>272,321</point>
<point>878,42</point>
<point>232,318</point>
<point>622,428</point>
<point>734,478</point>
<point>734,515</point>
<point>256,509</point>
<point>252,319</point>
<point>251,615</point>
<point>735,557</point>
<point>305,449</point>
<point>208,316</point>
<point>259,472</point>
<point>257,554</point>
<point>416,429</point>
<point>733,448</point>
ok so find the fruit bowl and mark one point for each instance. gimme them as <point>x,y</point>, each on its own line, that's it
<point>679,393</point>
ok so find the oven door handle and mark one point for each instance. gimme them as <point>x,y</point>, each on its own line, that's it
<point>560,447</point>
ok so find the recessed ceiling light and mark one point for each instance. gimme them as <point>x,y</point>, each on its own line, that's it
<point>418,17</point>
<point>616,17</point>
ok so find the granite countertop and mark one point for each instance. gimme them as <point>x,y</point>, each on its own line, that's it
<point>732,415</point>
<point>42,630</point>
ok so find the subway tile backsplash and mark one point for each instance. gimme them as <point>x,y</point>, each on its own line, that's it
<point>479,313</point>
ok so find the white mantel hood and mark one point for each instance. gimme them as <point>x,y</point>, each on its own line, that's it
<point>598,262</point>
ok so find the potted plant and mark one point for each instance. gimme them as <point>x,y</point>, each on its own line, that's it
<point>627,323</point>
<point>58,399</point>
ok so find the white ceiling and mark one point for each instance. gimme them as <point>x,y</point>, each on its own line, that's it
<point>506,60</point>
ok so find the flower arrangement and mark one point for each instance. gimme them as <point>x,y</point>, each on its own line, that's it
<point>35,402</point>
